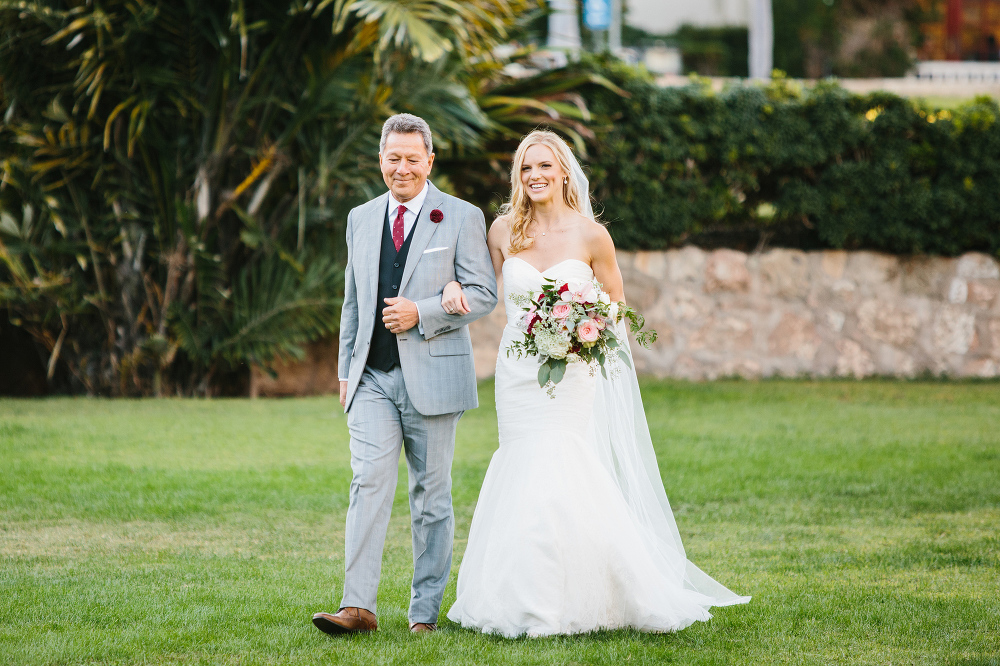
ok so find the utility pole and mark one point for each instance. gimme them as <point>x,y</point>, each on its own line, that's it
<point>564,31</point>
<point>615,32</point>
<point>761,39</point>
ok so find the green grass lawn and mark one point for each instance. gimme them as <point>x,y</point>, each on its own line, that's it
<point>940,102</point>
<point>862,516</point>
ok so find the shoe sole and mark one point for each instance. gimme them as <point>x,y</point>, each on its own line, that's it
<point>335,629</point>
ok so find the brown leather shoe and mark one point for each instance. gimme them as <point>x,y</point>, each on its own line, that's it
<point>347,621</point>
<point>423,627</point>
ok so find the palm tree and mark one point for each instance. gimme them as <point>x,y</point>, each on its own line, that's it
<point>174,173</point>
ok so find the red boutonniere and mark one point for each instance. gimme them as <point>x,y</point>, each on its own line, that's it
<point>436,216</point>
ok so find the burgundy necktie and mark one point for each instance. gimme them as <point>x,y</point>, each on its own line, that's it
<point>397,228</point>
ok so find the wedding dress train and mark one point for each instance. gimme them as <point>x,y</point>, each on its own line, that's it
<point>573,531</point>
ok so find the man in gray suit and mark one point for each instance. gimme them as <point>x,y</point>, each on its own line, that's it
<point>406,369</point>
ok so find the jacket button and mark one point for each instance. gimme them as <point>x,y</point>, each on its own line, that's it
<point>395,265</point>
<point>395,286</point>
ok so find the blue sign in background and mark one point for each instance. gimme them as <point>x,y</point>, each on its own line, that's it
<point>597,14</point>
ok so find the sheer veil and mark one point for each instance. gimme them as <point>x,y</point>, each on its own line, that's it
<point>583,186</point>
<point>621,437</point>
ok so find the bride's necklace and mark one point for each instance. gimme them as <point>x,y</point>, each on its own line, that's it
<point>539,229</point>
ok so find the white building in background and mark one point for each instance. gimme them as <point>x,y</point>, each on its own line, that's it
<point>666,16</point>
<point>662,17</point>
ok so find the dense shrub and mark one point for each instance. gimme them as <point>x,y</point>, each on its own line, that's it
<point>714,51</point>
<point>822,167</point>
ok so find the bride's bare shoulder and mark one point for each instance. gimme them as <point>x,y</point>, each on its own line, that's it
<point>500,229</point>
<point>596,237</point>
<point>592,231</point>
<point>502,221</point>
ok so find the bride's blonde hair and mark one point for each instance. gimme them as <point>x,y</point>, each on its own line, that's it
<point>518,209</point>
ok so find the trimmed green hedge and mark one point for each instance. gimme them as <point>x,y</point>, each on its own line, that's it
<point>821,167</point>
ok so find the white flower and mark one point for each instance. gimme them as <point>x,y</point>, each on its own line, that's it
<point>604,297</point>
<point>613,311</point>
<point>586,294</point>
<point>573,358</point>
<point>551,344</point>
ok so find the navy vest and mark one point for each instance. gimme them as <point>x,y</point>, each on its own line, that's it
<point>384,352</point>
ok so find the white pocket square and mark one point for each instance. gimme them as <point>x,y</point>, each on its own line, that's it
<point>435,249</point>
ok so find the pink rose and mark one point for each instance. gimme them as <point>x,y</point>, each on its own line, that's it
<point>587,331</point>
<point>562,309</point>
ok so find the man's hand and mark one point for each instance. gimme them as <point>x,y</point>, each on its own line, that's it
<point>343,392</point>
<point>401,315</point>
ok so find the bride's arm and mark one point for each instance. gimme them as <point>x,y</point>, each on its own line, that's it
<point>497,240</point>
<point>452,298</point>
<point>604,263</point>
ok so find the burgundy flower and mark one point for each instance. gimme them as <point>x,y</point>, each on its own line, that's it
<point>436,216</point>
<point>563,288</point>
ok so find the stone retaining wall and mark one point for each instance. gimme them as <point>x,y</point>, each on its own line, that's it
<point>792,313</point>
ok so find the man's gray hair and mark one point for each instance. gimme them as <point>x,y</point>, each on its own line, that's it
<point>407,123</point>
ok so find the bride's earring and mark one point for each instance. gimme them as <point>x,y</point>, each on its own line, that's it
<point>565,181</point>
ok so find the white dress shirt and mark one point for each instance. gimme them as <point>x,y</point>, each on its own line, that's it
<point>412,210</point>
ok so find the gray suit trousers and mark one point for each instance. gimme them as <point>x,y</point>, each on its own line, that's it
<point>380,421</point>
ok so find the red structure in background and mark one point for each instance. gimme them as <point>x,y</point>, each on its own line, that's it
<point>953,30</point>
<point>966,30</point>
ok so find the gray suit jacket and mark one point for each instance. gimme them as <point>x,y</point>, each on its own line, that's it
<point>436,356</point>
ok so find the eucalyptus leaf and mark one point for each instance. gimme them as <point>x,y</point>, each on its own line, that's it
<point>543,374</point>
<point>624,356</point>
<point>558,371</point>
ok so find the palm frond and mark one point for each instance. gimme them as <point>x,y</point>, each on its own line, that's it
<point>277,309</point>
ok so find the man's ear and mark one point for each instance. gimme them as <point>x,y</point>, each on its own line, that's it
<point>430,161</point>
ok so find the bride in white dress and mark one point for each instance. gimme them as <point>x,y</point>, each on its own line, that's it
<point>573,531</point>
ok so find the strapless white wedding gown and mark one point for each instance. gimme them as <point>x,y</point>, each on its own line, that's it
<point>572,532</point>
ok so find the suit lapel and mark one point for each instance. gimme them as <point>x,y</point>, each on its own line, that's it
<point>371,248</point>
<point>423,233</point>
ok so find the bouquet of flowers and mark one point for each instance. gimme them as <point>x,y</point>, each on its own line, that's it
<point>573,322</point>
